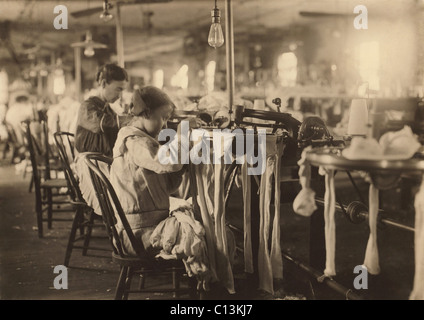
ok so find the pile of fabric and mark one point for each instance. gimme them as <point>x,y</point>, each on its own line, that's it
<point>393,145</point>
<point>180,236</point>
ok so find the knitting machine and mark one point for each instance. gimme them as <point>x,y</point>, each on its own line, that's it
<point>297,136</point>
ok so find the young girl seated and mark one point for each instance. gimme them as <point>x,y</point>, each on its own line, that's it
<point>143,184</point>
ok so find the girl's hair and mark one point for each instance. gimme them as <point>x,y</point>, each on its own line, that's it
<point>111,72</point>
<point>148,99</point>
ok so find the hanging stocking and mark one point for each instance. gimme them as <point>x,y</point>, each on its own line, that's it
<point>371,255</point>
<point>276,257</point>
<point>247,226</point>
<point>418,290</point>
<point>197,186</point>
<point>224,270</point>
<point>330,225</point>
<point>264,260</point>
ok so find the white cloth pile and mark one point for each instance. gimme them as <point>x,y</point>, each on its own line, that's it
<point>396,145</point>
<point>180,236</point>
<point>304,203</point>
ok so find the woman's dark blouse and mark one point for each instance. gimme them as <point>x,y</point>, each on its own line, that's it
<point>97,127</point>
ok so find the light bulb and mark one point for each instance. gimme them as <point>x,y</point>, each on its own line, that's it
<point>216,37</point>
<point>89,51</point>
<point>106,16</point>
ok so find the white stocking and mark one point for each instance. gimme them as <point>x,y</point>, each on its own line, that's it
<point>223,263</point>
<point>418,290</point>
<point>371,255</point>
<point>330,225</point>
<point>196,176</point>
<point>264,260</point>
<point>276,257</point>
<point>247,225</point>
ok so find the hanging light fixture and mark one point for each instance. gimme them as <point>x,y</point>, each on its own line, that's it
<point>106,16</point>
<point>89,45</point>
<point>89,50</point>
<point>216,37</point>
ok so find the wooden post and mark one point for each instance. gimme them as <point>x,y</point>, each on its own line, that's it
<point>229,41</point>
<point>77,58</point>
<point>119,37</point>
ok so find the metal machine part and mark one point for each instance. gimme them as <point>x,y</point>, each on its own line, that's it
<point>314,132</point>
<point>282,120</point>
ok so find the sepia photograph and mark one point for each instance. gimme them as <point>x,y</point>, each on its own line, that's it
<point>233,152</point>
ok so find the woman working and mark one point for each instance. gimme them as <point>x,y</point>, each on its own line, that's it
<point>98,124</point>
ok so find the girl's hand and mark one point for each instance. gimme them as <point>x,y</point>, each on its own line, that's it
<point>194,123</point>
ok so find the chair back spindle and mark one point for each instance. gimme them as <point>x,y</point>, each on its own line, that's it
<point>65,145</point>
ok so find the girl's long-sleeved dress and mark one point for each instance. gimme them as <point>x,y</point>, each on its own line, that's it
<point>142,183</point>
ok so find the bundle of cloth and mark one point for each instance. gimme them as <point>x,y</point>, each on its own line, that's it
<point>181,102</point>
<point>304,203</point>
<point>215,102</point>
<point>181,236</point>
<point>393,145</point>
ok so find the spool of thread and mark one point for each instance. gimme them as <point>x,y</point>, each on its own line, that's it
<point>358,118</point>
<point>259,104</point>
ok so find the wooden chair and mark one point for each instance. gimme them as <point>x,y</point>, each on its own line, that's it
<point>44,186</point>
<point>12,143</point>
<point>46,155</point>
<point>85,216</point>
<point>130,265</point>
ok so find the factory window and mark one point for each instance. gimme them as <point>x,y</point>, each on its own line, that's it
<point>180,79</point>
<point>210,75</point>
<point>369,63</point>
<point>287,69</point>
<point>59,82</point>
<point>158,76</point>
